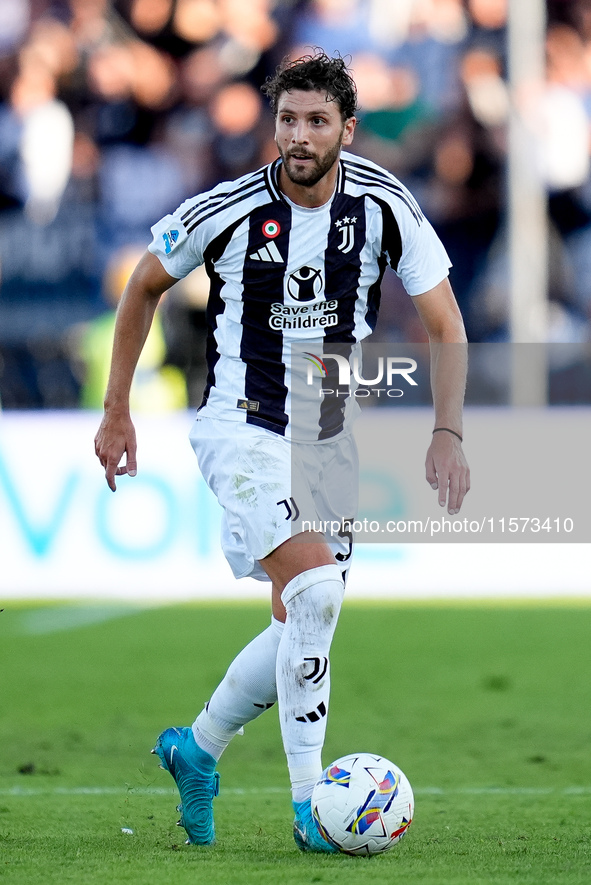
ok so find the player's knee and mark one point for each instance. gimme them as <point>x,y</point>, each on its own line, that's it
<point>316,595</point>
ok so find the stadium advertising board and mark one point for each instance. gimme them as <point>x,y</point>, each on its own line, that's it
<point>64,534</point>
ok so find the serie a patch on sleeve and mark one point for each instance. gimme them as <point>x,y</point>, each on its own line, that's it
<point>247,405</point>
<point>170,238</point>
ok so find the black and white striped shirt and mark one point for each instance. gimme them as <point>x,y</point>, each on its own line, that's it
<point>283,276</point>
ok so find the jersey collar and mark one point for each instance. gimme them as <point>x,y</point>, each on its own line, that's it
<point>272,180</point>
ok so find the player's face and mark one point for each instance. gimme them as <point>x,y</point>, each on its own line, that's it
<point>310,132</point>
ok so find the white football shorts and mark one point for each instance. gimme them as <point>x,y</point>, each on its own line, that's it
<point>271,488</point>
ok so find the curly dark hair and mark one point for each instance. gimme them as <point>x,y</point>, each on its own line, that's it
<point>311,72</point>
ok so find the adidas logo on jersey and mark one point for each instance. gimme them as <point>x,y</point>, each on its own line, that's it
<point>269,252</point>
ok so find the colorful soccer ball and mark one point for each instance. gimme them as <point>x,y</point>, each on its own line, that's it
<point>363,804</point>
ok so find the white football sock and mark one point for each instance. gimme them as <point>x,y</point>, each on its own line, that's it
<point>246,691</point>
<point>313,602</point>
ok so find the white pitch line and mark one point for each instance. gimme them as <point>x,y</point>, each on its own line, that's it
<point>258,791</point>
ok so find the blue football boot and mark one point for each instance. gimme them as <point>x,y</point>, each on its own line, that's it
<point>306,832</point>
<point>196,778</point>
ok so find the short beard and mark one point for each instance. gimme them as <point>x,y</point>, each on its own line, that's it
<point>309,177</point>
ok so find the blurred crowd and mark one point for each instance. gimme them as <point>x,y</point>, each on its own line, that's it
<point>114,111</point>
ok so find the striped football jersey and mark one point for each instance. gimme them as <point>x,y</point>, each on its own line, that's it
<point>287,281</point>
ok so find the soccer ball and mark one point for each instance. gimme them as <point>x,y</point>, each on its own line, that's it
<point>363,804</point>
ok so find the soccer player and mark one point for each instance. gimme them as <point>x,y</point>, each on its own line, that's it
<point>295,252</point>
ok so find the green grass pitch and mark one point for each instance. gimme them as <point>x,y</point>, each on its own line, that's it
<point>487,709</point>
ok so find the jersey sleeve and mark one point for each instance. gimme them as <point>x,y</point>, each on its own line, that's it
<point>178,252</point>
<point>423,261</point>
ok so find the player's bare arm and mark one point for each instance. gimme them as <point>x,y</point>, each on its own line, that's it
<point>116,434</point>
<point>446,466</point>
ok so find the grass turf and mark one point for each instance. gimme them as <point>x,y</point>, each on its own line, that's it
<point>487,710</point>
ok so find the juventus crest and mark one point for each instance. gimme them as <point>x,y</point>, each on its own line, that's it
<point>347,227</point>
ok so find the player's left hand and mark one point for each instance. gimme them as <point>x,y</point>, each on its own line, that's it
<point>447,470</point>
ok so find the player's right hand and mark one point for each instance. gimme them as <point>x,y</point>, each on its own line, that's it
<point>114,439</point>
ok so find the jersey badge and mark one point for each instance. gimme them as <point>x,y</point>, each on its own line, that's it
<point>271,229</point>
<point>347,226</point>
<point>248,405</point>
<point>170,238</point>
